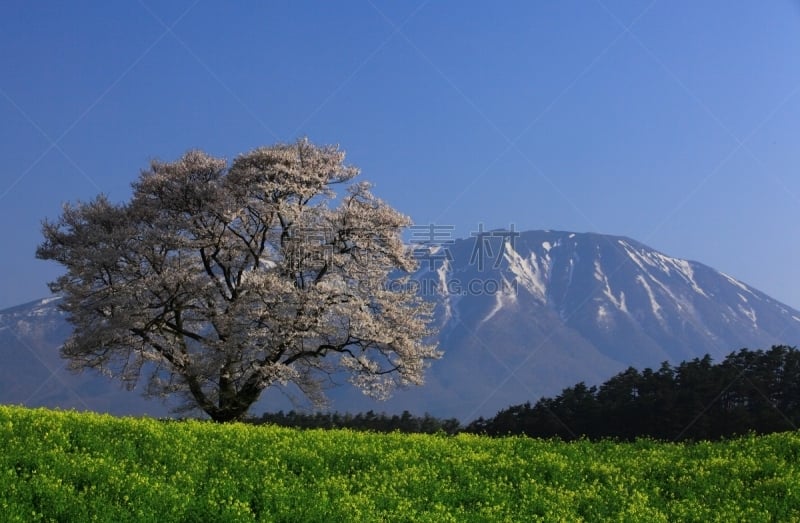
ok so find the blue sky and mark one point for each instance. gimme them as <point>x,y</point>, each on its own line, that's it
<point>675,123</point>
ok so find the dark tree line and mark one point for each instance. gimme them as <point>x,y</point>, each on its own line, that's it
<point>749,391</point>
<point>405,422</point>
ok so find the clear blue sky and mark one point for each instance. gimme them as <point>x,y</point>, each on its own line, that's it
<point>676,123</point>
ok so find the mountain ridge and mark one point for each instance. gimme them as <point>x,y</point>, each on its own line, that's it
<point>520,315</point>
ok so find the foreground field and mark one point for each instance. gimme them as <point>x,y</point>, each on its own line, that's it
<point>66,466</point>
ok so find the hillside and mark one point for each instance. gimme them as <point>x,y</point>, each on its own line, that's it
<point>34,374</point>
<point>521,316</point>
<point>524,318</point>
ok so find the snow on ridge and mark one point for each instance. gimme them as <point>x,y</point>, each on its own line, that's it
<point>443,290</point>
<point>619,303</point>
<point>737,283</point>
<point>750,313</point>
<point>547,246</point>
<point>665,263</point>
<point>637,257</point>
<point>44,308</point>
<point>633,255</point>
<point>679,303</point>
<point>685,269</point>
<point>508,295</point>
<point>603,318</point>
<point>51,299</point>
<point>533,275</point>
<point>654,305</point>
<point>442,273</point>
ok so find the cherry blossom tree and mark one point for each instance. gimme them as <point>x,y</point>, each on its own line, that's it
<point>216,281</point>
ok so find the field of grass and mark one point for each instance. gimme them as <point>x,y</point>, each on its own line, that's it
<point>67,466</point>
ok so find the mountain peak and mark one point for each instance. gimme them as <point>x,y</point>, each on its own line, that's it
<point>592,303</point>
<point>521,315</point>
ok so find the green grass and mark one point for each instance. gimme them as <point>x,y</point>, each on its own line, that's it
<point>67,466</point>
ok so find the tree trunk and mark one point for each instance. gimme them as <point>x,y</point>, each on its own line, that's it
<point>233,404</point>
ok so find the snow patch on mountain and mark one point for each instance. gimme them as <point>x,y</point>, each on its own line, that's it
<point>444,291</point>
<point>603,316</point>
<point>681,304</point>
<point>737,283</point>
<point>750,313</point>
<point>532,272</point>
<point>503,297</point>
<point>441,272</point>
<point>633,255</point>
<point>38,311</point>
<point>665,264</point>
<point>619,302</point>
<point>684,268</point>
<point>654,306</point>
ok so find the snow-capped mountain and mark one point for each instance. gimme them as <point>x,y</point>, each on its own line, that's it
<point>33,373</point>
<point>632,302</point>
<point>526,314</point>
<point>521,315</point>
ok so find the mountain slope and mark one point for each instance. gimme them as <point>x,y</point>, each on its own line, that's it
<point>520,315</point>
<point>33,373</point>
<point>526,314</point>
